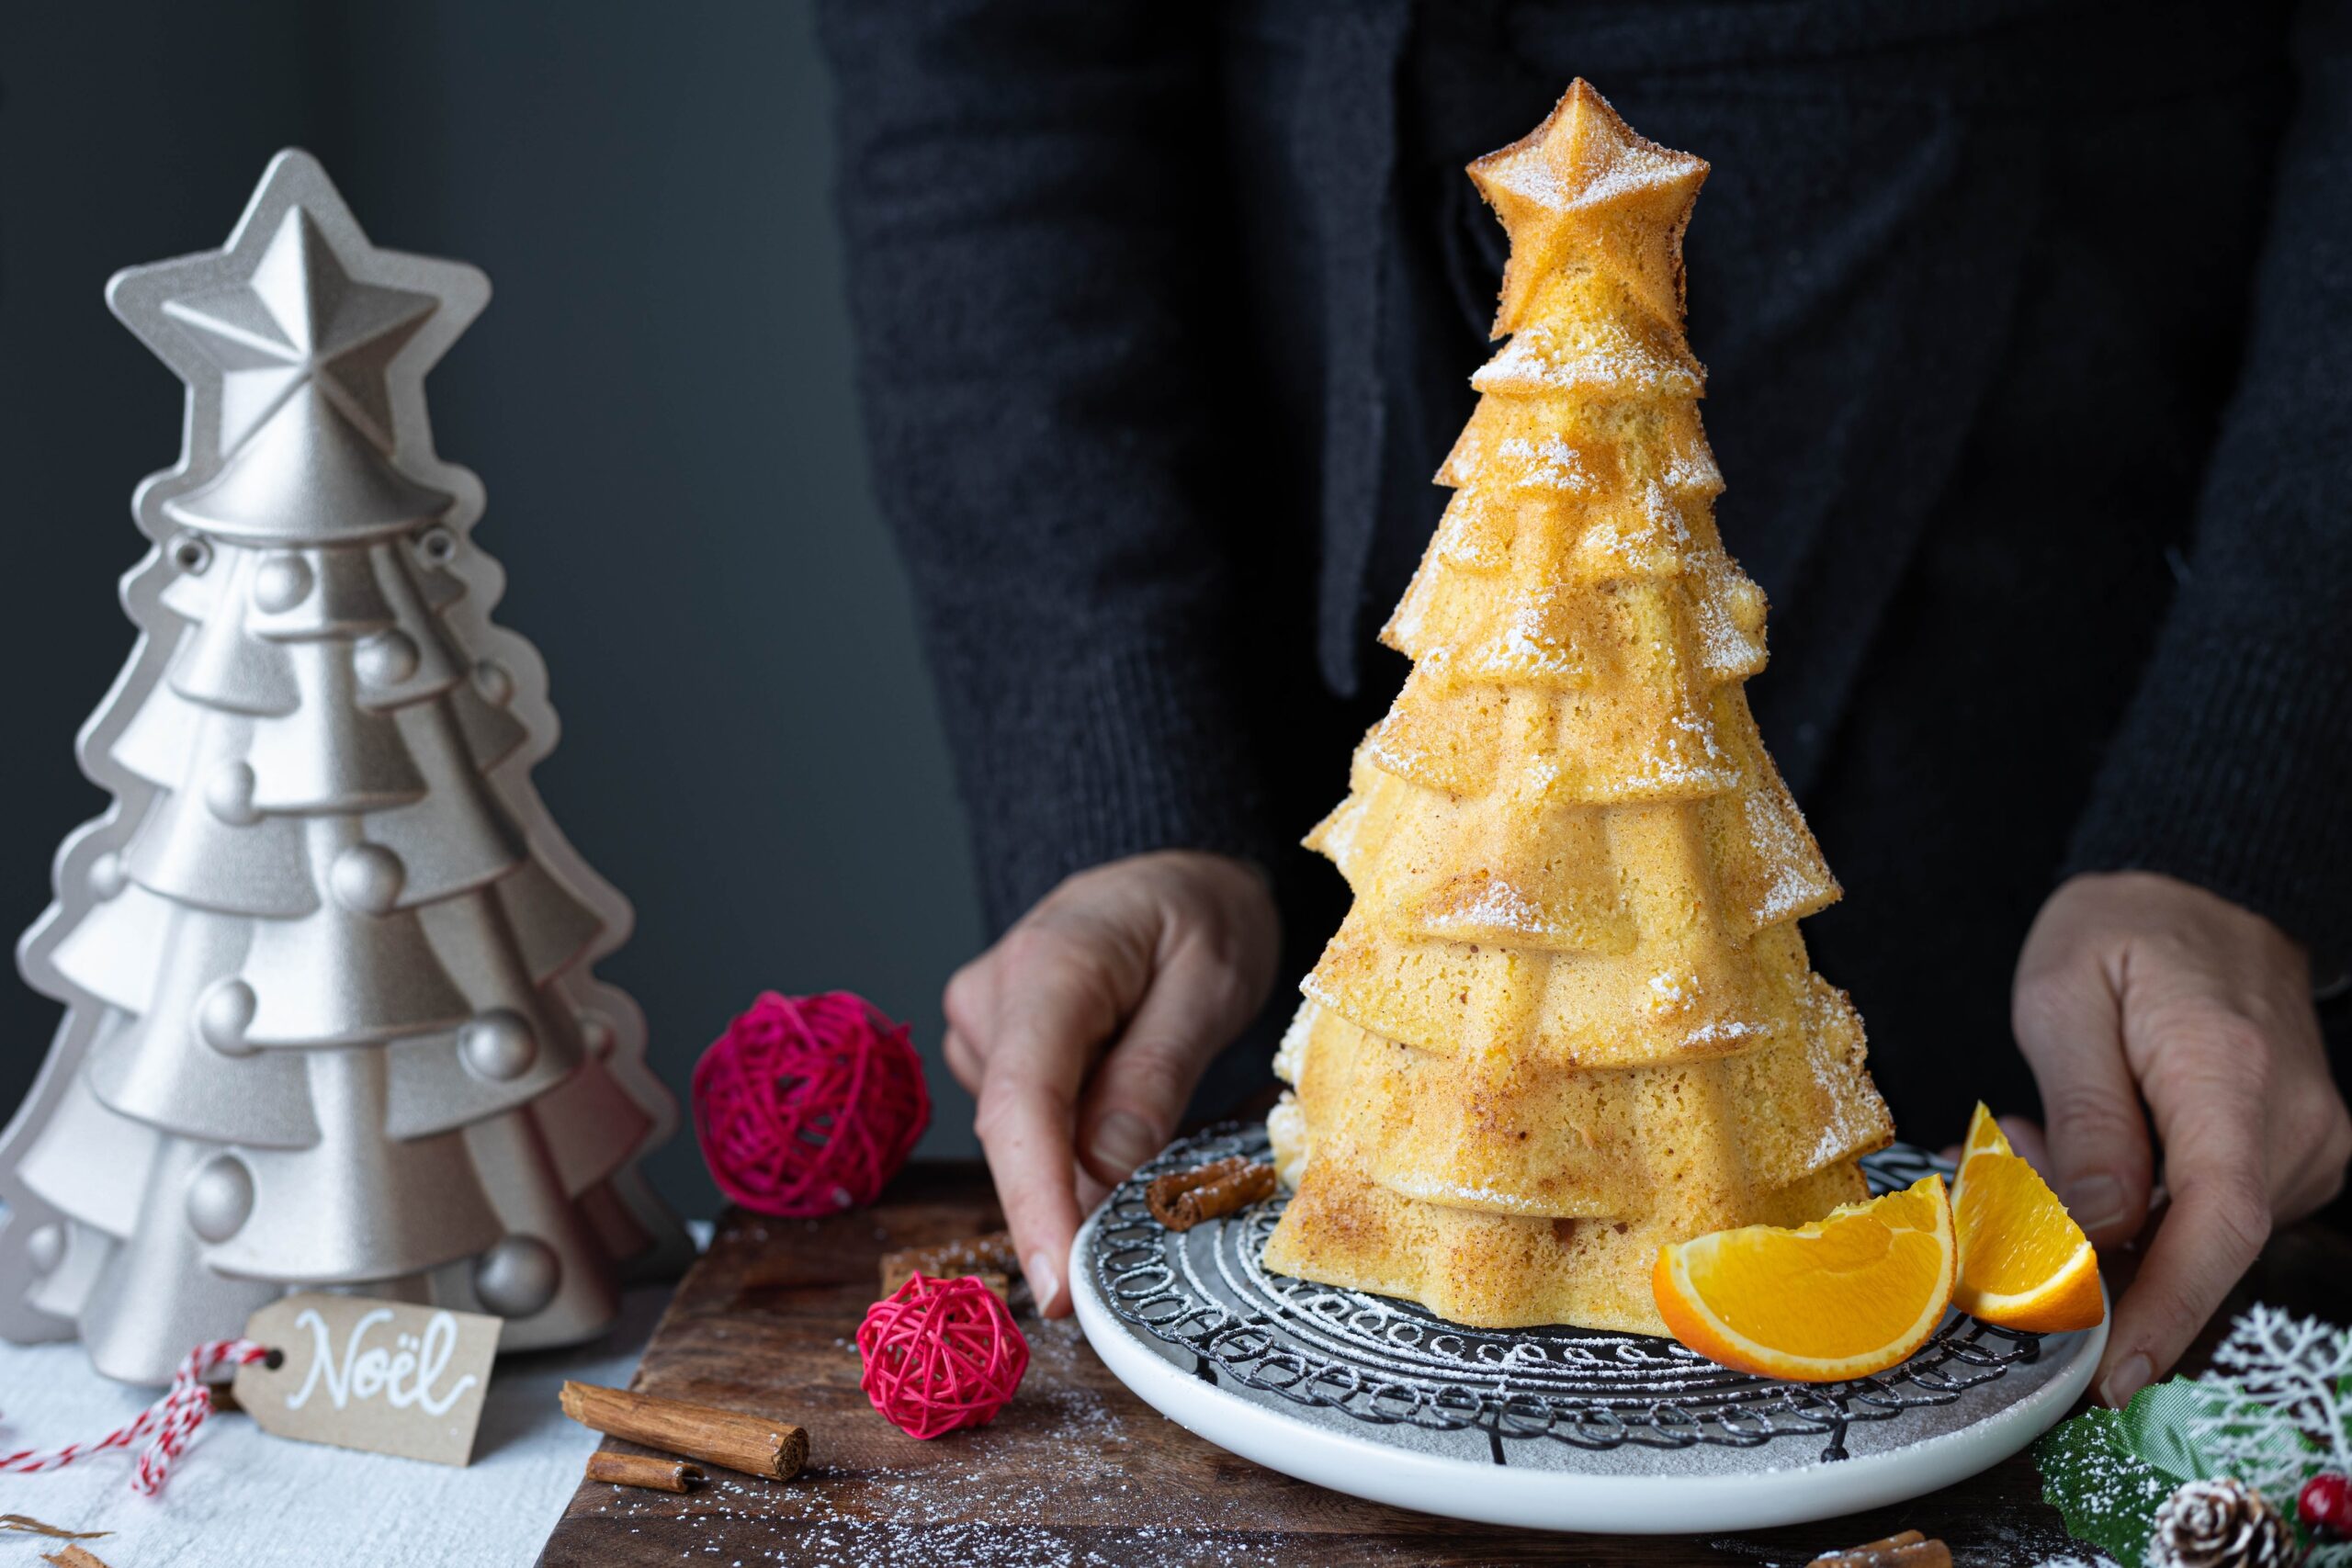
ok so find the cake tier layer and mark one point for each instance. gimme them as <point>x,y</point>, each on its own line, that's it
<point>1693,620</point>
<point>1505,1270</point>
<point>1658,726</point>
<point>1688,988</point>
<point>1530,874</point>
<point>1516,1136</point>
<point>1554,509</point>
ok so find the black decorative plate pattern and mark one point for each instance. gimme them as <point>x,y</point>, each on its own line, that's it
<point>1392,1364</point>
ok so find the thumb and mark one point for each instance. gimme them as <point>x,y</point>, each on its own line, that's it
<point>2069,1025</point>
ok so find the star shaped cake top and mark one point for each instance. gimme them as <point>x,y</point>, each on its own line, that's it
<point>1584,181</point>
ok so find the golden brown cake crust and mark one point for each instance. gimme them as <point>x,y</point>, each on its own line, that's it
<point>1570,1018</point>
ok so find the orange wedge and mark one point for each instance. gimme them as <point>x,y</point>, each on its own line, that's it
<point>1843,1297</point>
<point>2024,1263</point>
<point>1984,1137</point>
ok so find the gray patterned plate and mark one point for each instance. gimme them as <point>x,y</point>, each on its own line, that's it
<point>1557,1429</point>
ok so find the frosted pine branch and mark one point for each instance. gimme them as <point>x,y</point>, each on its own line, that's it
<point>2299,1367</point>
<point>2275,1409</point>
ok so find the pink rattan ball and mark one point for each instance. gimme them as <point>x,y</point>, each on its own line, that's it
<point>809,1105</point>
<point>941,1354</point>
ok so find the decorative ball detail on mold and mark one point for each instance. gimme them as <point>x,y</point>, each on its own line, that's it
<point>367,878</point>
<point>598,1036</point>
<point>280,582</point>
<point>518,1276</point>
<point>387,659</point>
<point>498,1045</point>
<point>107,876</point>
<point>219,1198</point>
<point>45,1249</point>
<point>229,793</point>
<point>224,1013</point>
<point>495,684</point>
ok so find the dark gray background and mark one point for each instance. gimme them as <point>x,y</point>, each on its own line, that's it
<point>659,398</point>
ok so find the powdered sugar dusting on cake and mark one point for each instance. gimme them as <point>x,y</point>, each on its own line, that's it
<point>1633,167</point>
<point>1855,1117</point>
<point>1691,471</point>
<point>1550,464</point>
<point>1290,1056</point>
<point>1727,649</point>
<point>1602,357</point>
<point>1487,903</point>
<point>1782,846</point>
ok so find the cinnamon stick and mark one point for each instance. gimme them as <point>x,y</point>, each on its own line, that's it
<point>650,1471</point>
<point>989,1256</point>
<point>1908,1550</point>
<point>1183,1198</point>
<point>733,1439</point>
<point>32,1525</point>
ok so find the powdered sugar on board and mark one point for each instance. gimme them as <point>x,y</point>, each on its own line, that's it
<point>1075,1499</point>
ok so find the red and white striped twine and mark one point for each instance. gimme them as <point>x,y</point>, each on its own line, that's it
<point>173,1420</point>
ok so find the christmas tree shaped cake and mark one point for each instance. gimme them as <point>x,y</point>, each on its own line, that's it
<point>1569,1016</point>
<point>329,1013</point>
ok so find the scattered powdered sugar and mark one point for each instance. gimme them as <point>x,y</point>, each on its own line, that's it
<point>1292,1140</point>
<point>1692,762</point>
<point>1072,1491</point>
<point>1613,163</point>
<point>1781,845</point>
<point>1550,464</point>
<point>1726,648</point>
<point>1464,1195</point>
<point>1664,516</point>
<point>1602,357</point>
<point>1527,173</point>
<point>1673,992</point>
<point>1692,471</point>
<point>1336,834</point>
<point>1381,750</point>
<point>1290,1055</point>
<point>1404,623</point>
<point>1496,906</point>
<point>1655,540</point>
<point>1528,649</point>
<point>1465,539</point>
<point>1855,1120</point>
<point>1633,167</point>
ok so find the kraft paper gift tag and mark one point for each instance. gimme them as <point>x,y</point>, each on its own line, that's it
<point>388,1377</point>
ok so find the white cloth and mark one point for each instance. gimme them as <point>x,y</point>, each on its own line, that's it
<point>240,1496</point>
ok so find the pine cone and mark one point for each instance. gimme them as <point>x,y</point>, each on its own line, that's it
<point>2220,1524</point>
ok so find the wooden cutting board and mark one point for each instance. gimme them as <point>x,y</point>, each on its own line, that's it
<point>1077,1472</point>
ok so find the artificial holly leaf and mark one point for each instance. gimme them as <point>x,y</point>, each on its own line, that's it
<point>2107,1493</point>
<point>2166,1423</point>
<point>2227,1432</point>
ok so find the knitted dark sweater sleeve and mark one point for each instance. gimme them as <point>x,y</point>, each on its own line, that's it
<point>1027,193</point>
<point>2231,769</point>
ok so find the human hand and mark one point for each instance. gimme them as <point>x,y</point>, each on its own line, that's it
<point>1084,1031</point>
<point>2134,987</point>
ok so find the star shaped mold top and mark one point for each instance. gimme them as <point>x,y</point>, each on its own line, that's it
<point>1585,181</point>
<point>304,349</point>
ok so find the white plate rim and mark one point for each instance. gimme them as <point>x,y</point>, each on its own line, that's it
<point>1556,1500</point>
